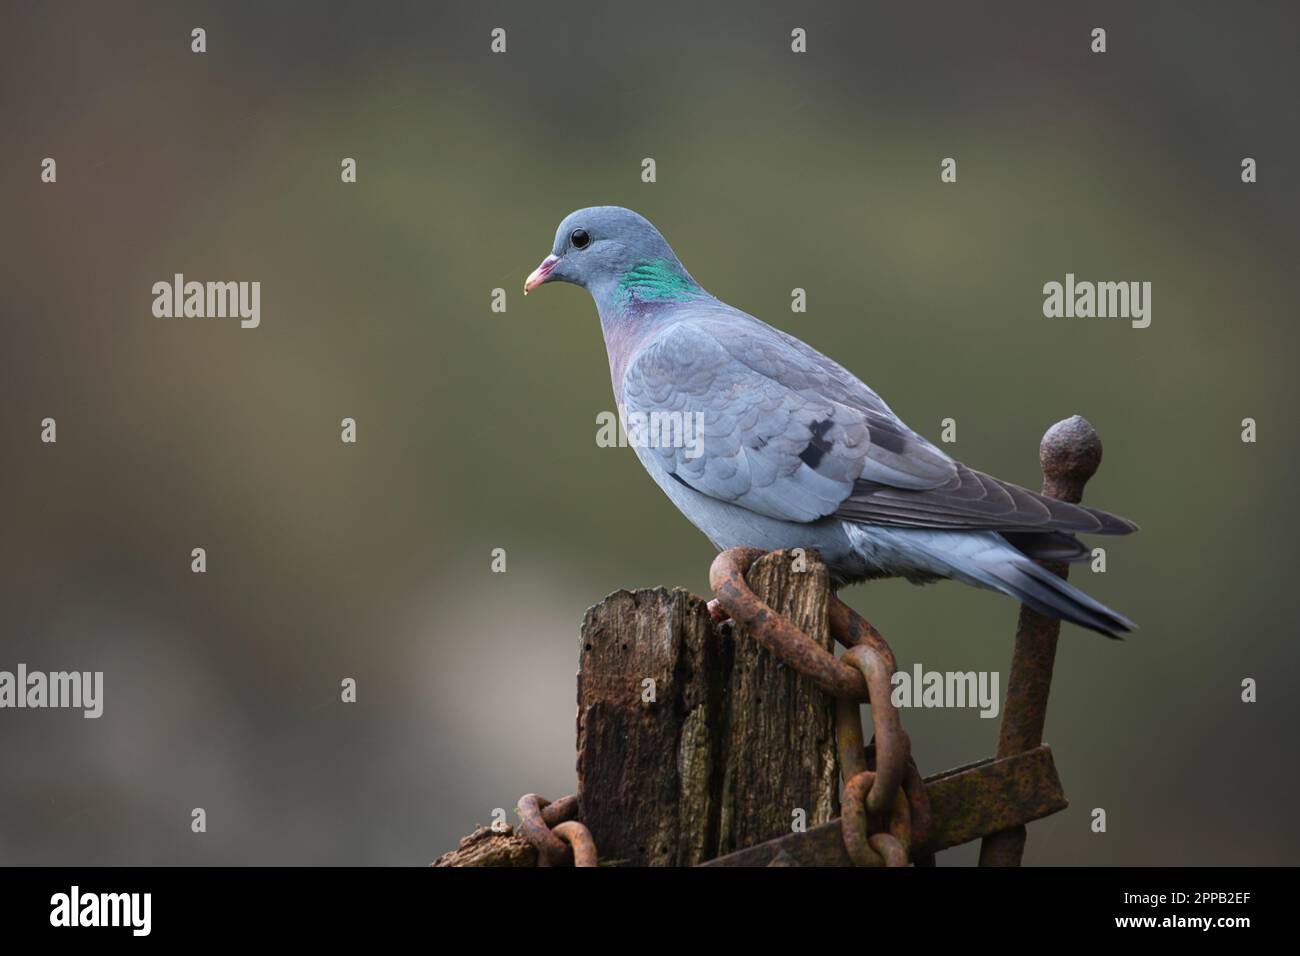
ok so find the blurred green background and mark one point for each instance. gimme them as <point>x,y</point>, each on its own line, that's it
<point>477,430</point>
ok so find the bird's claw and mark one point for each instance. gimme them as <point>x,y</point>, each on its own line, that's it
<point>717,613</point>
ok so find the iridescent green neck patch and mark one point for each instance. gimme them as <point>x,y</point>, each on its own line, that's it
<point>657,281</point>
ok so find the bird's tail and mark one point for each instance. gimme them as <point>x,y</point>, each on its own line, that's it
<point>1031,584</point>
<point>986,560</point>
<point>990,561</point>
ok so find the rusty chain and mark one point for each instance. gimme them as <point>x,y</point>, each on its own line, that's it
<point>885,808</point>
<point>553,831</point>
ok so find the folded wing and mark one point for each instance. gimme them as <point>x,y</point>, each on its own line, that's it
<point>772,425</point>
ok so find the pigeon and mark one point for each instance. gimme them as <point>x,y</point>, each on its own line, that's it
<point>781,447</point>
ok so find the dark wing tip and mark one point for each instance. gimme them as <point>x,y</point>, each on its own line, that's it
<point>1112,524</point>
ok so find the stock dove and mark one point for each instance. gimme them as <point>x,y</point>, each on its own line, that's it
<point>781,447</point>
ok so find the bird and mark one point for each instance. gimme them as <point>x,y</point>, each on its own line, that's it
<point>792,450</point>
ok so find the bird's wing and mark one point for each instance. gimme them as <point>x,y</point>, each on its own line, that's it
<point>973,501</point>
<point>791,434</point>
<point>779,433</point>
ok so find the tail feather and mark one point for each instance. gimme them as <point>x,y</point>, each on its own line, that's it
<point>1048,594</point>
<point>988,560</point>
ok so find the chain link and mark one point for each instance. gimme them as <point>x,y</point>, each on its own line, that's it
<point>554,832</point>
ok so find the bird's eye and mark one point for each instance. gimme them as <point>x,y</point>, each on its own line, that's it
<point>580,239</point>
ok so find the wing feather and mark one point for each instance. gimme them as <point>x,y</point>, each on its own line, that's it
<point>973,501</point>
<point>786,432</point>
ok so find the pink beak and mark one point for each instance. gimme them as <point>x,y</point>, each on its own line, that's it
<point>540,274</point>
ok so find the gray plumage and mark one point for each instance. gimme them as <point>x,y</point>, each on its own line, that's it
<point>798,452</point>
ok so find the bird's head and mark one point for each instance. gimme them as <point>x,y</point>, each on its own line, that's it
<point>606,249</point>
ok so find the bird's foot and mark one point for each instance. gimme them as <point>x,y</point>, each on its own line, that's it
<point>718,613</point>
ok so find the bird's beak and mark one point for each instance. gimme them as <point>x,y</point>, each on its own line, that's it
<point>540,274</point>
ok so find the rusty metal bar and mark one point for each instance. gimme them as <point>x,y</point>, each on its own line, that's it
<point>967,803</point>
<point>1069,455</point>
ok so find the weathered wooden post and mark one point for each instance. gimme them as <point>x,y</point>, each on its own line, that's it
<point>694,741</point>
